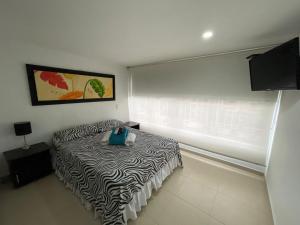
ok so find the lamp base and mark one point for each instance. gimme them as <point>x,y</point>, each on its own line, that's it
<point>26,147</point>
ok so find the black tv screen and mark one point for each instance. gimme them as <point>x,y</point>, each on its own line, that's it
<point>277,69</point>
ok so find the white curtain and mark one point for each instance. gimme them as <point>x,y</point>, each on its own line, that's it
<point>216,111</point>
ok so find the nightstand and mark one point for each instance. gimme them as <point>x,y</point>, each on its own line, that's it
<point>26,165</point>
<point>134,125</point>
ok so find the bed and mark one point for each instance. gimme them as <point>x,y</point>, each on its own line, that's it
<point>113,180</point>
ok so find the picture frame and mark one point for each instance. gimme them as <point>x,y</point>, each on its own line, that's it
<point>52,85</point>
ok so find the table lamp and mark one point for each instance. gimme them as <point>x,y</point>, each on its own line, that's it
<point>21,129</point>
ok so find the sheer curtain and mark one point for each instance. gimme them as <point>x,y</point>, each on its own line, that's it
<point>205,103</point>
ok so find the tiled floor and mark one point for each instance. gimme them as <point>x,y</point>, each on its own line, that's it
<point>204,192</point>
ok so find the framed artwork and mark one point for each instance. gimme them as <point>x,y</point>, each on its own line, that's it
<point>50,85</point>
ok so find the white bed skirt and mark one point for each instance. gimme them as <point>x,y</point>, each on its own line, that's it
<point>140,198</point>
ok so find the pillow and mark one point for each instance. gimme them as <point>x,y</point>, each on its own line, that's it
<point>118,136</point>
<point>91,129</point>
<point>130,140</point>
<point>74,133</point>
<point>105,138</point>
<point>84,130</point>
<point>106,125</point>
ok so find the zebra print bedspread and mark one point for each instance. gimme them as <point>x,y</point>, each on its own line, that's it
<point>108,176</point>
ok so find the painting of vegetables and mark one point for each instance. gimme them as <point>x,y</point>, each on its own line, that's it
<point>49,85</point>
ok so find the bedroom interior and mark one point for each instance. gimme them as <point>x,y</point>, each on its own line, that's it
<point>149,112</point>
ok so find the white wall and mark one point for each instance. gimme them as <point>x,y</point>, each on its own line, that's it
<point>283,178</point>
<point>207,103</point>
<point>15,103</point>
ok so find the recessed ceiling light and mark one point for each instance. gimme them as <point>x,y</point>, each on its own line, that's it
<point>207,35</point>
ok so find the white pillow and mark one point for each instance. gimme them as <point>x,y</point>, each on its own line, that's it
<point>130,139</point>
<point>105,138</point>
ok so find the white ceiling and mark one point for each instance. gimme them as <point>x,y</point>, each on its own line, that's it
<point>132,32</point>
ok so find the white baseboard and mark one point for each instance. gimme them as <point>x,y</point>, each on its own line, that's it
<point>238,162</point>
<point>271,204</point>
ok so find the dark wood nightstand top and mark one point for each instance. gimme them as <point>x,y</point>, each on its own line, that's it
<point>131,124</point>
<point>19,153</point>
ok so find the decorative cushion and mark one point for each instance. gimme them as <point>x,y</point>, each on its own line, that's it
<point>130,140</point>
<point>118,136</point>
<point>105,138</point>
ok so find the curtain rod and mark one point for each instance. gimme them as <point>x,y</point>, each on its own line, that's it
<point>202,56</point>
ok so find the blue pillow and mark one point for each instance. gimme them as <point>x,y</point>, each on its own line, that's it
<point>119,138</point>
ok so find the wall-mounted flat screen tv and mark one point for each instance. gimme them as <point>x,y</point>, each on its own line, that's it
<point>277,69</point>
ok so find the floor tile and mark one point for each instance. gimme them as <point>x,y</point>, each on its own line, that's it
<point>175,211</point>
<point>232,211</point>
<point>248,189</point>
<point>197,194</point>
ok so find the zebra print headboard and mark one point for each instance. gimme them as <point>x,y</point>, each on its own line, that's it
<point>84,130</point>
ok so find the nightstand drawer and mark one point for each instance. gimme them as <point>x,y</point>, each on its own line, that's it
<point>28,165</point>
<point>30,168</point>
